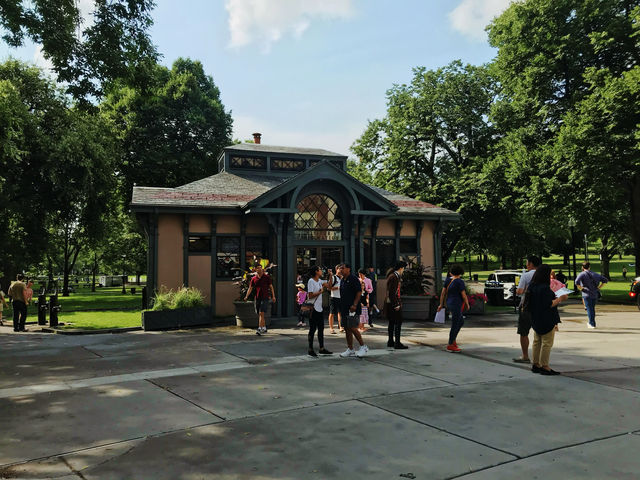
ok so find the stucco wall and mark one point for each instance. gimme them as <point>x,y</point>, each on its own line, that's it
<point>226,293</point>
<point>170,240</point>
<point>199,224</point>
<point>228,224</point>
<point>257,225</point>
<point>386,228</point>
<point>426,244</point>
<point>408,228</point>
<point>200,275</point>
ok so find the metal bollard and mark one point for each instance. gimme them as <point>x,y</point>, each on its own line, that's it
<point>42,309</point>
<point>54,308</point>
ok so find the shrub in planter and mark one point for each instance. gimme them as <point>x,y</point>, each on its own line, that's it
<point>177,309</point>
<point>418,299</point>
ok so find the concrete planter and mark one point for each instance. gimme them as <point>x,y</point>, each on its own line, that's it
<point>416,307</point>
<point>476,309</point>
<point>181,318</point>
<point>247,317</point>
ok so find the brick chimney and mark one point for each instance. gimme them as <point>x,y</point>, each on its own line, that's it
<point>256,138</point>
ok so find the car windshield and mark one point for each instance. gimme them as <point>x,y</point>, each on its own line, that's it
<point>507,278</point>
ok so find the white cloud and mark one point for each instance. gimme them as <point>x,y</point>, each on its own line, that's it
<point>264,22</point>
<point>472,16</point>
<point>41,62</point>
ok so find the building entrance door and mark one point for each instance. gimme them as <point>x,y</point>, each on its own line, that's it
<point>325,257</point>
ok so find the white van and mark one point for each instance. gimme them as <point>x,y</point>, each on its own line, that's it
<point>509,279</point>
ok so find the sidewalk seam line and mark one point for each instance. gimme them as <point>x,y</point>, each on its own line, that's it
<point>167,389</point>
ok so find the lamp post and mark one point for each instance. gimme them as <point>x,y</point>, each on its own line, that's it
<point>572,225</point>
<point>586,248</point>
<point>124,278</point>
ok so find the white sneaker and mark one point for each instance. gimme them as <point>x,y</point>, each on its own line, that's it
<point>349,352</point>
<point>590,326</point>
<point>362,351</point>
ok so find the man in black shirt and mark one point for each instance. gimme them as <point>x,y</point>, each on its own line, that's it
<point>350,292</point>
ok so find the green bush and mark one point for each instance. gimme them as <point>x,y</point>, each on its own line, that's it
<point>184,298</point>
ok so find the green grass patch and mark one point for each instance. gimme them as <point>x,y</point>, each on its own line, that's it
<point>100,320</point>
<point>108,298</point>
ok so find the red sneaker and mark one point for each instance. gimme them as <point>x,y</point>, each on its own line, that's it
<point>453,348</point>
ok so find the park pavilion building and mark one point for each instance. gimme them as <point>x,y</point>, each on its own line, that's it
<point>296,207</point>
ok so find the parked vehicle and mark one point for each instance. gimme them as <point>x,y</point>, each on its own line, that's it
<point>509,280</point>
<point>634,291</point>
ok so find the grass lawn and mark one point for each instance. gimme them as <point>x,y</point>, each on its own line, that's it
<point>107,298</point>
<point>98,320</point>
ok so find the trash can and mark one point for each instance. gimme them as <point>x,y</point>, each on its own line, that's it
<point>475,277</point>
<point>494,292</point>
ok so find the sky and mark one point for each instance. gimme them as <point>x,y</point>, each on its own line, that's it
<point>312,73</point>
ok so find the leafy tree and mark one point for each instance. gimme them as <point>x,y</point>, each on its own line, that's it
<point>559,64</point>
<point>435,144</point>
<point>172,133</point>
<point>85,55</point>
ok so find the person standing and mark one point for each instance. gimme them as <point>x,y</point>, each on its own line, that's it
<point>334,305</point>
<point>373,296</point>
<point>393,306</point>
<point>590,284</point>
<point>524,316</point>
<point>3,304</point>
<point>315,288</point>
<point>624,273</point>
<point>301,296</point>
<point>455,296</point>
<point>365,284</point>
<point>17,292</point>
<point>28,296</point>
<point>350,292</point>
<point>561,277</point>
<point>541,302</point>
<point>265,294</point>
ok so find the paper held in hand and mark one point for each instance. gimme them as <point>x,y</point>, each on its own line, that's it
<point>563,291</point>
<point>439,317</point>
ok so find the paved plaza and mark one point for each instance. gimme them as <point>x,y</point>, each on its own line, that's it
<point>224,403</point>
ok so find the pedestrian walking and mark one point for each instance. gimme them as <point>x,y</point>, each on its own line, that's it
<point>561,277</point>
<point>28,296</point>
<point>454,296</point>
<point>315,288</point>
<point>393,306</point>
<point>590,284</point>
<point>524,316</point>
<point>540,301</point>
<point>555,285</point>
<point>3,304</point>
<point>350,307</point>
<point>17,292</point>
<point>334,305</point>
<point>301,297</point>
<point>265,294</point>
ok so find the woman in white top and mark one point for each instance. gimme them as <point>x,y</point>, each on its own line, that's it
<point>315,287</point>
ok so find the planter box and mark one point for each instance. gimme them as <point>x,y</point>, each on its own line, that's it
<point>416,307</point>
<point>247,317</point>
<point>181,318</point>
<point>476,309</point>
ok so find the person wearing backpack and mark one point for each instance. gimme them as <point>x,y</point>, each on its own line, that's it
<point>590,284</point>
<point>455,295</point>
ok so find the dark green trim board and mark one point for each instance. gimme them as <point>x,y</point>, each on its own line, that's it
<point>397,238</point>
<point>185,251</point>
<point>243,242</point>
<point>437,254</point>
<point>419,227</point>
<point>374,236</point>
<point>214,260</point>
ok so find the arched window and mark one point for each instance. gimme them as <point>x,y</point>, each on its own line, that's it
<point>318,218</point>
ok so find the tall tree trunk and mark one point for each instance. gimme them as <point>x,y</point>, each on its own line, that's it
<point>485,262</point>
<point>138,274</point>
<point>605,257</point>
<point>65,266</point>
<point>94,270</point>
<point>635,219</point>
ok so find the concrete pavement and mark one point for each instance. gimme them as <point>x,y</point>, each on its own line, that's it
<point>225,403</point>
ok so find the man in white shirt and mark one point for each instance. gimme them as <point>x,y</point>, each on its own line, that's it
<point>524,317</point>
<point>334,306</point>
<point>315,287</point>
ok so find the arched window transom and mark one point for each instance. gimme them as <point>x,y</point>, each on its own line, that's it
<point>318,218</point>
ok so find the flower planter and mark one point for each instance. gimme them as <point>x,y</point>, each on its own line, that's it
<point>247,317</point>
<point>180,318</point>
<point>476,309</point>
<point>416,307</point>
